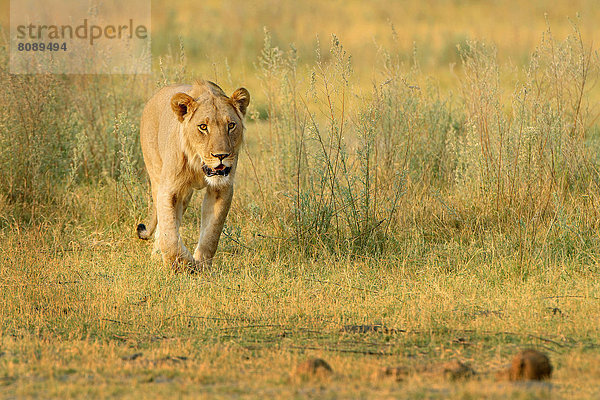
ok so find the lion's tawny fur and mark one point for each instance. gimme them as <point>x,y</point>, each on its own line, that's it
<point>187,130</point>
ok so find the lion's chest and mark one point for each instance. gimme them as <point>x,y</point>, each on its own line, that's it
<point>199,183</point>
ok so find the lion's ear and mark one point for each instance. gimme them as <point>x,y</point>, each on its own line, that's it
<point>241,99</point>
<point>182,104</point>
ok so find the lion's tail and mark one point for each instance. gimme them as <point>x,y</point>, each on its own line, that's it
<point>144,232</point>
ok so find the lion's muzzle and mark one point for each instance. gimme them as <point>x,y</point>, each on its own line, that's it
<point>221,170</point>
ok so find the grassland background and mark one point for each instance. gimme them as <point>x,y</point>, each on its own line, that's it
<point>476,235</point>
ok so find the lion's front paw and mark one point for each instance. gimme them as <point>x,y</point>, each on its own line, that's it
<point>205,260</point>
<point>191,267</point>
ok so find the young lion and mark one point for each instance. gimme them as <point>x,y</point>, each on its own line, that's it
<point>191,137</point>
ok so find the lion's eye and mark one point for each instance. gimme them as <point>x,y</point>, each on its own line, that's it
<point>231,125</point>
<point>203,127</point>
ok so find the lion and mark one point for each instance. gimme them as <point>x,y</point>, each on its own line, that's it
<point>191,136</point>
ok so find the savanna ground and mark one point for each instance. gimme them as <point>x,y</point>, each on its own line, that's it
<point>390,178</point>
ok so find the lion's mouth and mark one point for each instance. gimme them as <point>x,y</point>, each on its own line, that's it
<point>221,170</point>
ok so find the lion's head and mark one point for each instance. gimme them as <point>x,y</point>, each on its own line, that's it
<point>211,128</point>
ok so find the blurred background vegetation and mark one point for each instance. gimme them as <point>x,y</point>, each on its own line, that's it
<point>430,30</point>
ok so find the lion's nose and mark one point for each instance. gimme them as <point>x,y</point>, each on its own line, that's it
<point>220,156</point>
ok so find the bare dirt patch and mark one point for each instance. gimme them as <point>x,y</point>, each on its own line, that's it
<point>527,365</point>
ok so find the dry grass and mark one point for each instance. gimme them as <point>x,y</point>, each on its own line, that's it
<point>78,313</point>
<point>463,225</point>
